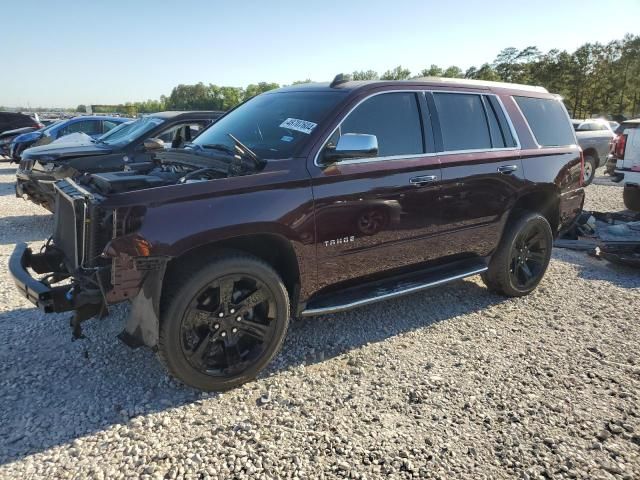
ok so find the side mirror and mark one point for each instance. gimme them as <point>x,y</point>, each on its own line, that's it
<point>353,145</point>
<point>153,144</point>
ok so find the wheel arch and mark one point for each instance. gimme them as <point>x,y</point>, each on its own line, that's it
<point>545,201</point>
<point>274,249</point>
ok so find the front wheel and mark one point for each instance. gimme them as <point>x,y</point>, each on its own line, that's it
<point>223,323</point>
<point>522,257</point>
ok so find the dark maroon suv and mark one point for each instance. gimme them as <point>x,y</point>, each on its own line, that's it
<point>309,200</point>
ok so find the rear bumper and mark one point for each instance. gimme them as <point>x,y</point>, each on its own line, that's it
<point>628,177</point>
<point>46,298</point>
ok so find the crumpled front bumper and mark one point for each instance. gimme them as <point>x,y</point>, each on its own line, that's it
<point>47,298</point>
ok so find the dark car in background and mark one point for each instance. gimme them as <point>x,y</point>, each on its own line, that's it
<point>93,126</point>
<point>309,200</point>
<point>13,120</point>
<point>136,142</point>
<point>7,137</point>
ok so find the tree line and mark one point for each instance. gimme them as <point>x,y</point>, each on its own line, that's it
<point>595,80</point>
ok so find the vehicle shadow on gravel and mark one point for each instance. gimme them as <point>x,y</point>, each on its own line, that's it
<point>53,390</point>
<point>590,268</point>
<point>25,228</point>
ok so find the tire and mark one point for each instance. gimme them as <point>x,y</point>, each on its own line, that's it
<point>590,165</point>
<point>525,246</point>
<point>631,197</point>
<point>202,343</point>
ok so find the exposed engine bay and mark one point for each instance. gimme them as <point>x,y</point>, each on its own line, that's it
<point>170,168</point>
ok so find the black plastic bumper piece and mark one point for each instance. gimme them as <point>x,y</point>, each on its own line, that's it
<point>46,298</point>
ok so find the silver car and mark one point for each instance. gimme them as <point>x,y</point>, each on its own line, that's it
<point>594,136</point>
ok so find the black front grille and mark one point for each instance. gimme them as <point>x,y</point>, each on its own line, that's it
<point>70,218</point>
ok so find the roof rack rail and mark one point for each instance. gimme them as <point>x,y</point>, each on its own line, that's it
<point>339,80</point>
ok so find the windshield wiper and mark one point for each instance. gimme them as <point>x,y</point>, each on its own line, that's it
<point>214,146</point>
<point>245,152</point>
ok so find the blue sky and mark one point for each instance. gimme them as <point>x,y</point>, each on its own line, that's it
<point>64,53</point>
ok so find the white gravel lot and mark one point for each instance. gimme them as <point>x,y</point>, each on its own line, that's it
<point>452,383</point>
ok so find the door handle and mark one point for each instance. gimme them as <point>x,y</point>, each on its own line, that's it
<point>423,180</point>
<point>507,169</point>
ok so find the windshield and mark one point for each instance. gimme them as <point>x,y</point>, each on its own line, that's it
<point>114,131</point>
<point>272,125</point>
<point>131,131</point>
<point>48,128</point>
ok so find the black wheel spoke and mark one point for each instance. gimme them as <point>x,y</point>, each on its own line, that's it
<point>257,330</point>
<point>537,257</point>
<point>252,301</point>
<point>535,238</point>
<point>528,274</point>
<point>232,354</point>
<point>197,355</point>
<point>226,291</point>
<point>196,317</point>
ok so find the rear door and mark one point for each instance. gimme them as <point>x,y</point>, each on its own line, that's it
<point>481,170</point>
<point>377,214</point>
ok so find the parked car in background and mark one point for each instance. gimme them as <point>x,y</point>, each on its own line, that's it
<point>626,154</point>
<point>93,126</point>
<point>612,158</point>
<point>7,137</point>
<point>594,137</point>
<point>13,120</point>
<point>41,166</point>
<point>309,200</point>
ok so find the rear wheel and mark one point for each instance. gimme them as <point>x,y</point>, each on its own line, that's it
<point>521,259</point>
<point>631,197</point>
<point>223,323</point>
<point>590,165</point>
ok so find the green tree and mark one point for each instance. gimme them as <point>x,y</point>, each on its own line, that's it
<point>453,72</point>
<point>432,71</point>
<point>397,73</point>
<point>365,75</point>
<point>256,89</point>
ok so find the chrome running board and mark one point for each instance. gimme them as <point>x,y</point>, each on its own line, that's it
<point>365,295</point>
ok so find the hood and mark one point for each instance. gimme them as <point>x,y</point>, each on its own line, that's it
<point>28,137</point>
<point>16,132</point>
<point>61,151</point>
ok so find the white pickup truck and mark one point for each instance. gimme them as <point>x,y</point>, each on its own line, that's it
<point>626,151</point>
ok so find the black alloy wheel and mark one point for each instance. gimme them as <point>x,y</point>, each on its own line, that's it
<point>528,256</point>
<point>228,325</point>
<point>522,256</point>
<point>223,322</point>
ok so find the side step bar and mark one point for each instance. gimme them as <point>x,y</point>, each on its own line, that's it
<point>415,282</point>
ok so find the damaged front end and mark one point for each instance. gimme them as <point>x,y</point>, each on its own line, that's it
<point>93,260</point>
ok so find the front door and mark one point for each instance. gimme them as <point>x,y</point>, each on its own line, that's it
<point>377,214</point>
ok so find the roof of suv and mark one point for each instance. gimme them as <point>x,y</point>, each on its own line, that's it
<point>423,81</point>
<point>191,114</point>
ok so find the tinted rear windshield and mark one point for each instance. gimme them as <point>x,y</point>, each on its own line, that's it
<point>273,125</point>
<point>548,121</point>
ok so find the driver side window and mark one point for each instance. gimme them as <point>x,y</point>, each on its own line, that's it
<point>393,118</point>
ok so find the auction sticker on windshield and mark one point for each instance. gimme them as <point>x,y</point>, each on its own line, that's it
<point>299,125</point>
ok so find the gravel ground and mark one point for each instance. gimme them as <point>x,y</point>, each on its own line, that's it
<point>452,383</point>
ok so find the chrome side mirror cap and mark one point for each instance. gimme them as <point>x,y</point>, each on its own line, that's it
<point>353,145</point>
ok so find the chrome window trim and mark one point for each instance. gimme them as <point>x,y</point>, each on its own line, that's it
<point>426,154</point>
<point>535,140</point>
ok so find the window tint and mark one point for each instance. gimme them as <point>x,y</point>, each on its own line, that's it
<point>505,129</point>
<point>548,121</point>
<point>393,118</point>
<point>463,121</point>
<point>497,138</point>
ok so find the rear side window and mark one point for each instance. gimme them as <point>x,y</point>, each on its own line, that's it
<point>463,121</point>
<point>548,121</point>
<point>393,118</point>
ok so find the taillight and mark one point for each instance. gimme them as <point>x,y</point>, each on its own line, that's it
<point>621,145</point>
<point>581,168</point>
